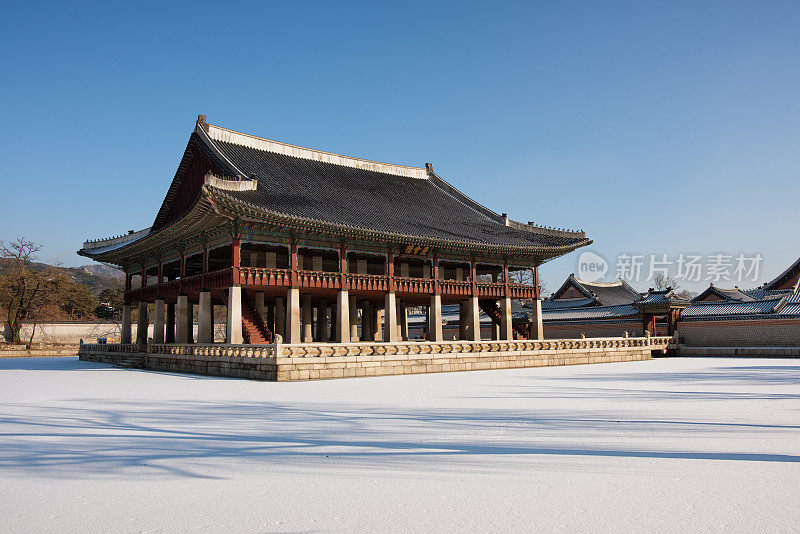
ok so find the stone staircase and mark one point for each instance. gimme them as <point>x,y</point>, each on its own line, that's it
<point>131,361</point>
<point>254,331</point>
<point>491,309</point>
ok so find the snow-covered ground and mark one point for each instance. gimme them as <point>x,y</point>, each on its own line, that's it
<point>664,445</point>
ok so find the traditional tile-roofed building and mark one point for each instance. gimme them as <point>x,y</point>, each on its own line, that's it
<point>277,233</point>
<point>575,292</point>
<point>714,293</point>
<point>766,316</point>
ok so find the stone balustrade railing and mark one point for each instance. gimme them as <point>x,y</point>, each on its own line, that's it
<point>122,348</point>
<point>311,350</point>
<point>316,350</point>
<point>213,350</point>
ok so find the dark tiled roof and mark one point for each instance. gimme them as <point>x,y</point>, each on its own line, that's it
<point>597,294</point>
<point>726,294</point>
<point>590,313</point>
<point>566,303</point>
<point>789,274</point>
<point>364,198</point>
<point>730,308</point>
<point>760,293</point>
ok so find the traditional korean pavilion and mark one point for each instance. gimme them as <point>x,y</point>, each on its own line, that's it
<point>318,247</point>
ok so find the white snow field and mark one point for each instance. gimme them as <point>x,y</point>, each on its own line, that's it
<point>665,445</point>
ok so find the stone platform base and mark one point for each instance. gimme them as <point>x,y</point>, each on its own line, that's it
<point>321,361</point>
<point>37,350</point>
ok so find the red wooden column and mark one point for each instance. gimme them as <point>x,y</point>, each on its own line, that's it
<point>473,275</point>
<point>390,269</point>
<point>505,279</point>
<point>236,259</point>
<point>436,288</point>
<point>203,267</point>
<point>128,281</point>
<point>144,276</point>
<point>293,263</point>
<point>536,287</point>
<point>343,267</point>
<point>160,272</point>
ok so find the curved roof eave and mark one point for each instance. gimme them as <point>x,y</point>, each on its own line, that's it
<point>216,195</point>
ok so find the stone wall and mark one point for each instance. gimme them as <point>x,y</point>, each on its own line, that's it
<point>740,333</point>
<point>7,350</point>
<point>73,333</point>
<point>321,360</point>
<point>610,329</point>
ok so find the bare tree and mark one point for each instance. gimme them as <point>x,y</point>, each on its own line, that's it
<point>23,289</point>
<point>525,277</point>
<point>662,282</point>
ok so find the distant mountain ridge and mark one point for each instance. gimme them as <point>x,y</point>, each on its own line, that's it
<point>96,277</point>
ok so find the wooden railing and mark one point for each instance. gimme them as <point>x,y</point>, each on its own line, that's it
<point>260,277</point>
<point>257,276</point>
<point>455,287</point>
<point>413,285</point>
<point>319,279</point>
<point>368,282</point>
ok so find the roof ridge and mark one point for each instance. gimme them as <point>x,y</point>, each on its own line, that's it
<point>618,283</point>
<point>226,135</point>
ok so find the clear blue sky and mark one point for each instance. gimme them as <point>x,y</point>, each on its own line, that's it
<point>657,127</point>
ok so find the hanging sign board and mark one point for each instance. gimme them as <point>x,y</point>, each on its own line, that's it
<point>415,250</point>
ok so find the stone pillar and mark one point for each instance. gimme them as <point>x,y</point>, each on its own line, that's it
<point>506,326</point>
<point>462,320</point>
<point>205,318</point>
<point>366,321</point>
<point>125,334</point>
<point>322,321</point>
<point>142,326</point>
<point>537,329</point>
<point>402,312</point>
<point>377,331</point>
<point>190,321</point>
<point>495,331</point>
<point>280,318</point>
<point>435,313</point>
<point>234,315</point>
<point>292,315</point>
<point>473,323</point>
<point>169,336</point>
<point>390,318</point>
<point>332,330</point>
<point>353,319</point>
<point>308,333</point>
<point>343,317</point>
<point>158,322</point>
<point>183,321</point>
